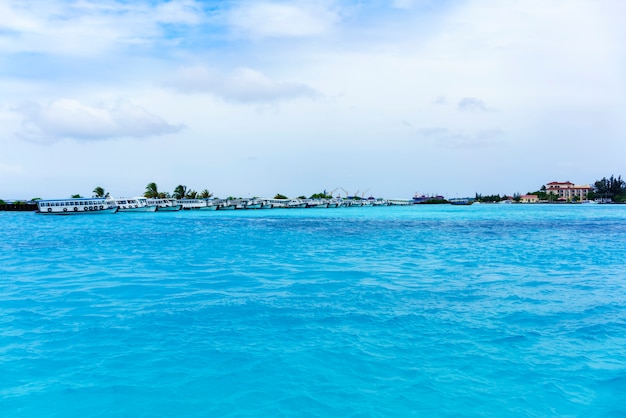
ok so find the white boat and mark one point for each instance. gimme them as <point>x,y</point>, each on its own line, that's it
<point>295,204</point>
<point>197,204</point>
<point>239,203</point>
<point>253,204</point>
<point>209,205</point>
<point>379,202</point>
<point>134,204</point>
<point>461,201</point>
<point>355,203</point>
<point>273,203</point>
<point>399,202</point>
<point>92,206</point>
<point>317,203</point>
<point>165,205</point>
<point>225,204</point>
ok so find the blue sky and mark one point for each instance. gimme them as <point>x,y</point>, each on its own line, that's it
<point>251,98</point>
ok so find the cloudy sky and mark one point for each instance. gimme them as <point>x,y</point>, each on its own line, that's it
<point>248,98</point>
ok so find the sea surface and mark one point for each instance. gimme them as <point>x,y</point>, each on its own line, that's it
<point>484,310</point>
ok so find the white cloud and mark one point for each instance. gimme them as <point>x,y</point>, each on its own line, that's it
<point>11,168</point>
<point>87,28</point>
<point>67,118</point>
<point>185,12</point>
<point>410,4</point>
<point>456,139</point>
<point>15,19</point>
<point>471,104</point>
<point>241,85</point>
<point>283,19</point>
<point>547,66</point>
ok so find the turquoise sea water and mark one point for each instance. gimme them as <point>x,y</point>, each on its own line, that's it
<point>486,310</point>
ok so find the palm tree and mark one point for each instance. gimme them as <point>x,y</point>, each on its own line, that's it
<point>76,196</point>
<point>152,191</point>
<point>205,194</point>
<point>99,192</point>
<point>191,194</point>
<point>180,192</point>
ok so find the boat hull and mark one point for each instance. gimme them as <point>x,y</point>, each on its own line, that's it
<point>173,208</point>
<point>97,211</point>
<point>254,206</point>
<point>138,209</point>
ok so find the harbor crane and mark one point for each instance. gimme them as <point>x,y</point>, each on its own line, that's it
<point>356,194</point>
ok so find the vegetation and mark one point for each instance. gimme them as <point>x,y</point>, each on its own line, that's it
<point>321,196</point>
<point>152,192</point>
<point>99,192</point>
<point>543,195</point>
<point>180,192</point>
<point>494,198</point>
<point>612,188</point>
<point>205,194</point>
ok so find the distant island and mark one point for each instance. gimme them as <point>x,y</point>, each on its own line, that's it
<point>605,190</point>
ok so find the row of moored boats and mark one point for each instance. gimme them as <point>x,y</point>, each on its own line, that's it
<point>97,205</point>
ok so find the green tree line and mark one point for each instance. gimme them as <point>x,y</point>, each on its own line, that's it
<point>613,188</point>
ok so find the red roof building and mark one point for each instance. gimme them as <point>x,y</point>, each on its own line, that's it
<point>529,198</point>
<point>565,190</point>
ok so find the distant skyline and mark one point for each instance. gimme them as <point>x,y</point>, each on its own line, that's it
<point>254,98</point>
